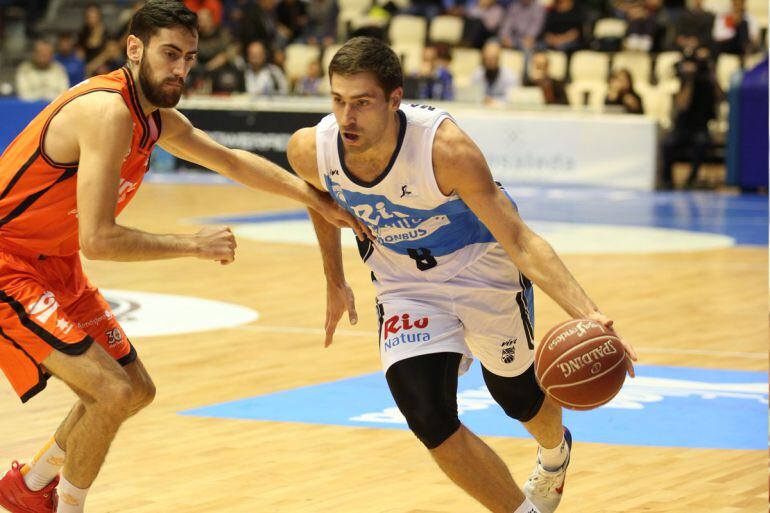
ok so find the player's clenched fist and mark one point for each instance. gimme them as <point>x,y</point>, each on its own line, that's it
<point>216,243</point>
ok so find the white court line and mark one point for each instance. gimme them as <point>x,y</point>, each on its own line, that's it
<point>371,334</point>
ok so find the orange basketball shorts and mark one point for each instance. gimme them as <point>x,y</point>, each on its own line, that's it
<point>47,304</point>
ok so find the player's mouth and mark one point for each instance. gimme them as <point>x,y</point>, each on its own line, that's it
<point>350,137</point>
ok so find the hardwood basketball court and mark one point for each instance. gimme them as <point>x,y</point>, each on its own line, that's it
<point>704,308</point>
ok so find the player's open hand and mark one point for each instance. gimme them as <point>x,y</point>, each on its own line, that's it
<point>630,353</point>
<point>339,299</point>
<point>341,218</point>
<point>216,243</point>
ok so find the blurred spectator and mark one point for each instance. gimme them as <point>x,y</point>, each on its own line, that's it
<point>213,6</point>
<point>427,8</point>
<point>310,83</point>
<point>321,26</point>
<point>93,36</point>
<point>262,78</point>
<point>482,22</point>
<point>124,19</point>
<point>293,15</point>
<point>523,22</point>
<point>213,41</point>
<point>693,28</point>
<point>434,80</point>
<point>621,92</point>
<point>563,28</point>
<point>643,26</point>
<point>538,75</point>
<point>228,78</point>
<point>736,31</point>
<point>111,58</point>
<point>695,105</point>
<point>260,23</point>
<point>494,79</point>
<point>69,56</point>
<point>41,77</point>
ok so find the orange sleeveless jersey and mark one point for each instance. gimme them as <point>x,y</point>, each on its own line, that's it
<point>38,197</point>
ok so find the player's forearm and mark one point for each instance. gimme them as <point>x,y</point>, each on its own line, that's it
<point>259,173</point>
<point>540,263</point>
<point>123,244</point>
<point>331,248</point>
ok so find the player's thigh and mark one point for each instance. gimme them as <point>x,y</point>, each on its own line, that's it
<point>95,375</point>
<point>414,324</point>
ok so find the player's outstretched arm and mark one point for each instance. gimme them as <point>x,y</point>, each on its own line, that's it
<point>301,152</point>
<point>182,139</point>
<point>461,167</point>
<point>104,136</point>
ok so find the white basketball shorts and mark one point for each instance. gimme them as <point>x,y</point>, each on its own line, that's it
<point>486,312</point>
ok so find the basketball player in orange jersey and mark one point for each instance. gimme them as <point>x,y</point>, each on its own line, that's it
<point>63,181</point>
<point>450,265</point>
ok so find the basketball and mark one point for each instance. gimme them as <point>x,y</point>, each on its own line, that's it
<point>580,364</point>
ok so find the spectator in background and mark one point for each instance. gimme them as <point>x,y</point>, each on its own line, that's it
<point>68,55</point>
<point>260,23</point>
<point>93,36</point>
<point>621,92</point>
<point>538,75</point>
<point>321,28</point>
<point>213,6</point>
<point>292,14</point>
<point>227,78</point>
<point>643,27</point>
<point>563,28</point>
<point>263,78</point>
<point>429,9</point>
<point>695,105</point>
<point>213,42</point>
<point>482,22</point>
<point>736,31</point>
<point>310,83</point>
<point>41,77</point>
<point>111,58</point>
<point>493,78</point>
<point>434,80</point>
<point>693,29</point>
<point>522,24</point>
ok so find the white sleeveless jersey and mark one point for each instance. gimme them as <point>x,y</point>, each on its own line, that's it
<point>422,235</point>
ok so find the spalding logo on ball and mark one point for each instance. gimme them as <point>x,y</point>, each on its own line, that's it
<point>580,364</point>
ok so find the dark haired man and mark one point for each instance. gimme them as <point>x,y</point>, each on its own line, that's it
<point>63,180</point>
<point>448,263</point>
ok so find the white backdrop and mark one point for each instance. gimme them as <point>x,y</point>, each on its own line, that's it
<point>566,148</point>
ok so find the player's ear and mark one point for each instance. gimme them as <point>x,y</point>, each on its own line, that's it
<point>134,49</point>
<point>395,98</point>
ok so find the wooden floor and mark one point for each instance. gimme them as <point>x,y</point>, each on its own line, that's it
<point>165,462</point>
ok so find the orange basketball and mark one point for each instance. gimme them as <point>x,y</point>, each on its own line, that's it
<point>580,364</point>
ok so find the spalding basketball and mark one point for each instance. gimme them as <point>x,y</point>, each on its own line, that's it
<point>580,364</point>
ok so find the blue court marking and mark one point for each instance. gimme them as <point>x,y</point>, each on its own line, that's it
<point>742,217</point>
<point>663,406</point>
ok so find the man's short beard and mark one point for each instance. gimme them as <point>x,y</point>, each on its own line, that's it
<point>154,92</point>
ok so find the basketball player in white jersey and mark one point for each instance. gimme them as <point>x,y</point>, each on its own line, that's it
<point>451,264</point>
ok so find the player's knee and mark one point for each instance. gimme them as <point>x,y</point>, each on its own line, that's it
<point>520,397</point>
<point>144,394</point>
<point>432,427</point>
<point>115,396</point>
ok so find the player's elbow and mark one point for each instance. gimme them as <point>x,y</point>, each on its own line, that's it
<point>96,247</point>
